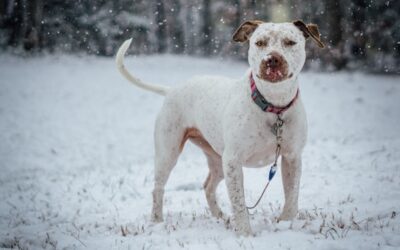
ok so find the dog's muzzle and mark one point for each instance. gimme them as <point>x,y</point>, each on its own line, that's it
<point>274,68</point>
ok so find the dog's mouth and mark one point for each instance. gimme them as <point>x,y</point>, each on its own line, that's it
<point>274,74</point>
<point>274,68</point>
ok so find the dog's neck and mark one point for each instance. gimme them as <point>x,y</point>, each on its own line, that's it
<point>279,94</point>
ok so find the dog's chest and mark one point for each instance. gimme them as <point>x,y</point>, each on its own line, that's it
<point>261,145</point>
<point>262,142</point>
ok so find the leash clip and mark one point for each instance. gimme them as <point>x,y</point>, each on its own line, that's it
<point>272,172</point>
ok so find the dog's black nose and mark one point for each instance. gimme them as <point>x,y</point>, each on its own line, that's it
<point>273,61</point>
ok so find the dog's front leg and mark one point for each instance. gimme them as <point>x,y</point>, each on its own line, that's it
<point>291,173</point>
<point>234,181</point>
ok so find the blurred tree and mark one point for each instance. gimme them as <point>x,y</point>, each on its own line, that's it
<point>176,26</point>
<point>207,28</point>
<point>335,30</point>
<point>358,28</point>
<point>32,23</point>
<point>161,31</point>
<point>238,12</point>
<point>13,22</point>
<point>238,49</point>
<point>189,16</point>
<point>359,34</point>
<point>253,12</point>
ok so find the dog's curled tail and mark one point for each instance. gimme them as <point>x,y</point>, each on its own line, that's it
<point>161,90</point>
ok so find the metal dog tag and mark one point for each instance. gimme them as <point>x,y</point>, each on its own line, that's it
<point>274,129</point>
<point>277,126</point>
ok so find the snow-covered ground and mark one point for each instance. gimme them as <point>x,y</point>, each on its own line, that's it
<point>76,162</point>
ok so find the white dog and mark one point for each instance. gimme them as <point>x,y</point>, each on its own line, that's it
<point>231,120</point>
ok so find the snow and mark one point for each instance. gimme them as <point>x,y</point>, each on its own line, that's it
<point>77,161</point>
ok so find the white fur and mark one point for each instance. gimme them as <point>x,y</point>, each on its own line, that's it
<point>235,127</point>
<point>162,90</point>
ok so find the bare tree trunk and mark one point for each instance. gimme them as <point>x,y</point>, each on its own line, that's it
<point>238,16</point>
<point>253,5</point>
<point>296,11</point>
<point>358,32</point>
<point>207,28</point>
<point>15,23</point>
<point>33,13</point>
<point>3,7</point>
<point>177,28</point>
<point>238,49</point>
<point>6,10</point>
<point>161,32</point>
<point>252,12</point>
<point>334,19</point>
<point>188,28</point>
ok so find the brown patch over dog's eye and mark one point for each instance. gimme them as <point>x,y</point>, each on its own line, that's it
<point>289,43</point>
<point>261,43</point>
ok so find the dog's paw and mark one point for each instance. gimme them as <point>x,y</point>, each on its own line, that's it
<point>227,222</point>
<point>287,215</point>
<point>219,214</point>
<point>243,229</point>
<point>156,218</point>
<point>244,232</point>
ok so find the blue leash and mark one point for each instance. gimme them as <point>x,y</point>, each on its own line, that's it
<point>271,175</point>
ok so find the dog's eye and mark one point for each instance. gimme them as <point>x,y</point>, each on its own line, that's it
<point>261,43</point>
<point>289,42</point>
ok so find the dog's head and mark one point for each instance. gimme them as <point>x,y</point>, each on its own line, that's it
<point>276,50</point>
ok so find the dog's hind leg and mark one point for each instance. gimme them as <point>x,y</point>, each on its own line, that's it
<point>215,169</point>
<point>168,138</point>
<point>210,185</point>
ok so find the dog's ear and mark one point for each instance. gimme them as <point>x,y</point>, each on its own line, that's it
<point>243,33</point>
<point>310,30</point>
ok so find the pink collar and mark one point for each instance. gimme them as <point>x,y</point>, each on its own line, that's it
<point>266,106</point>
